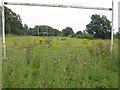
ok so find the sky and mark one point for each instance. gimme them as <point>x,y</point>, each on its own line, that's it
<point>60,18</point>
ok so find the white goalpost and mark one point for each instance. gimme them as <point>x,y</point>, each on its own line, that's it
<point>119,17</point>
<point>3,31</point>
<point>53,5</point>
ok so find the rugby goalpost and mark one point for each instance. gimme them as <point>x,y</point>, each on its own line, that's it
<point>52,5</point>
<point>119,18</point>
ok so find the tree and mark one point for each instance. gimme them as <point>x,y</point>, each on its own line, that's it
<point>117,35</point>
<point>45,30</point>
<point>67,31</point>
<point>13,23</point>
<point>26,29</point>
<point>99,26</point>
<point>26,26</point>
<point>79,32</point>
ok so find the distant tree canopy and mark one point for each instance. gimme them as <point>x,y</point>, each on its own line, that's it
<point>13,23</point>
<point>44,30</point>
<point>79,32</point>
<point>99,26</point>
<point>117,35</point>
<point>26,29</point>
<point>67,31</point>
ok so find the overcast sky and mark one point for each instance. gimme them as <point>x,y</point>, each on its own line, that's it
<point>60,18</point>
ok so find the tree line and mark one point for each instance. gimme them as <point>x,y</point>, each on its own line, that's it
<point>99,27</point>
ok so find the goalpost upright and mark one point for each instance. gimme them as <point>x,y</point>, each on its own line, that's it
<point>3,31</point>
<point>111,46</point>
<point>54,5</point>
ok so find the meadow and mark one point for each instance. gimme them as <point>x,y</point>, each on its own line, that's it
<point>59,62</point>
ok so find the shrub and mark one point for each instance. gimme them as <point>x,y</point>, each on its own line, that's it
<point>88,36</point>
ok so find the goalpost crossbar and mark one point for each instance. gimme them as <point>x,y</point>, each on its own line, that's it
<point>57,5</point>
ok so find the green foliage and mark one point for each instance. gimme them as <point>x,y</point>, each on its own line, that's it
<point>87,36</point>
<point>99,26</point>
<point>26,29</point>
<point>116,35</point>
<point>61,62</point>
<point>79,32</point>
<point>44,30</point>
<point>67,31</point>
<point>13,23</point>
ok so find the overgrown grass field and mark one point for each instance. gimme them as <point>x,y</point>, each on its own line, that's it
<point>56,62</point>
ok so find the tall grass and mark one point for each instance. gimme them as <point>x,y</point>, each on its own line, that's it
<point>41,62</point>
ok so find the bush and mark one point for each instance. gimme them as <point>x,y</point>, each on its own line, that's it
<point>88,36</point>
